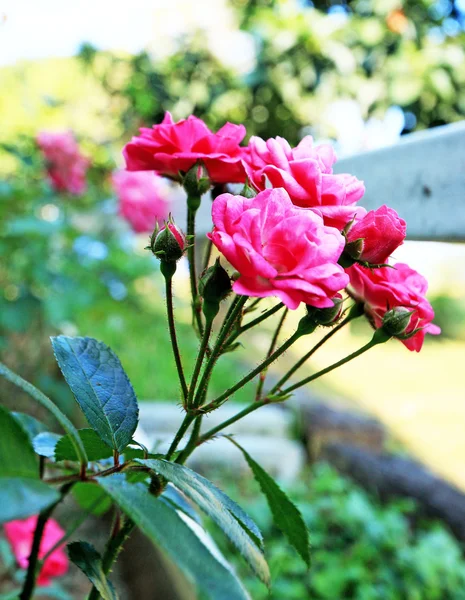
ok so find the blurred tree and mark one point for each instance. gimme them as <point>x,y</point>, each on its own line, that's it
<point>307,55</point>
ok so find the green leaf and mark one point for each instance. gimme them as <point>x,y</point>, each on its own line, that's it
<point>180,502</point>
<point>86,557</point>
<point>286,515</point>
<point>91,497</point>
<point>44,444</point>
<point>234,522</point>
<point>17,458</point>
<point>100,386</point>
<point>23,497</point>
<point>96,449</point>
<point>180,537</point>
<point>31,425</point>
<point>44,401</point>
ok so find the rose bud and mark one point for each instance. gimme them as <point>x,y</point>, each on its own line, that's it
<point>168,245</point>
<point>327,316</point>
<point>397,320</point>
<point>196,183</point>
<point>374,238</point>
<point>214,286</point>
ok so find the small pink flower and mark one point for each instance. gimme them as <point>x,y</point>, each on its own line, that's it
<point>279,249</point>
<point>172,147</point>
<point>66,166</point>
<point>400,287</point>
<point>382,232</point>
<point>306,173</point>
<point>20,534</point>
<point>143,199</point>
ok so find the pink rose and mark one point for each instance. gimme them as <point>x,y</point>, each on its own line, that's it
<point>306,173</point>
<point>279,249</point>
<point>387,288</point>
<point>382,232</point>
<point>20,534</point>
<point>66,166</point>
<point>143,199</point>
<point>172,147</point>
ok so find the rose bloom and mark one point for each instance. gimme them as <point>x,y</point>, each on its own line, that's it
<point>386,288</point>
<point>306,173</point>
<point>20,534</point>
<point>172,147</point>
<point>66,166</point>
<point>382,232</point>
<point>143,199</point>
<point>279,249</point>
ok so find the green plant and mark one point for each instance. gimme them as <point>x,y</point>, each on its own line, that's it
<point>361,549</point>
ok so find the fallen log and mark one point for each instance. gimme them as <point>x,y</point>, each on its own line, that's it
<point>389,476</point>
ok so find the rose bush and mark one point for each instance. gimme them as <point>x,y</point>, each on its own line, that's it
<point>386,288</point>
<point>20,534</point>
<point>66,166</point>
<point>169,148</point>
<point>279,249</point>
<point>306,173</point>
<point>143,199</point>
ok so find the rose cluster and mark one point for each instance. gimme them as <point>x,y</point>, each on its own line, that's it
<point>301,236</point>
<point>66,166</point>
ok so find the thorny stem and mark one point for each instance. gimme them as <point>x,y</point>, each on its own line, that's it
<point>179,435</point>
<point>198,362</point>
<point>33,560</point>
<point>256,321</point>
<point>379,337</point>
<point>113,548</point>
<point>208,253</point>
<point>174,339</point>
<point>252,305</point>
<point>274,341</point>
<point>229,320</point>
<point>263,365</point>
<point>354,312</point>
<point>196,309</point>
<point>74,527</point>
<point>212,432</point>
<point>192,443</point>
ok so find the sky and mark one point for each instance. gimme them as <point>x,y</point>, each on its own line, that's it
<point>32,29</point>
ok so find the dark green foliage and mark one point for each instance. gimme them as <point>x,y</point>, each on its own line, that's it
<point>96,449</point>
<point>286,515</point>
<point>86,557</point>
<point>181,541</point>
<point>361,550</point>
<point>228,515</point>
<point>100,386</point>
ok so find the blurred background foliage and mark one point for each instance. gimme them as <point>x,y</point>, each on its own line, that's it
<point>361,549</point>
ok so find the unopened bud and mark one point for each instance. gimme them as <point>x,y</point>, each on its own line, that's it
<point>214,286</point>
<point>196,182</point>
<point>351,253</point>
<point>397,320</point>
<point>326,316</point>
<point>168,245</point>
